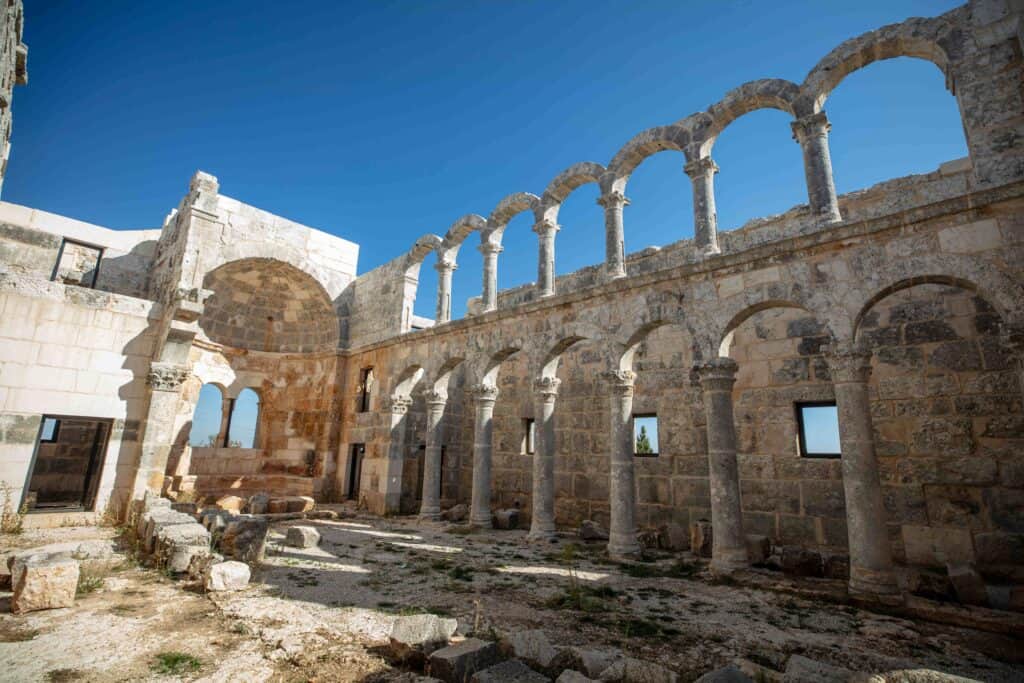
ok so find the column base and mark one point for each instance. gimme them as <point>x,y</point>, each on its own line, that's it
<point>623,546</point>
<point>829,218</point>
<point>430,515</point>
<point>709,251</point>
<point>481,521</point>
<point>541,535</point>
<point>873,585</point>
<point>729,560</point>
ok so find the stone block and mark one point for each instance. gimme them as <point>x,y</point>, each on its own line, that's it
<point>931,585</point>
<point>674,536</point>
<point>592,531</point>
<point>570,676</point>
<point>803,670</point>
<point>231,503</point>
<point>258,504</point>
<point>758,548</point>
<point>457,663</point>
<point>44,583</point>
<point>802,562</point>
<point>302,537</point>
<point>512,671</point>
<point>245,540</point>
<point>506,519</point>
<point>727,674</point>
<point>967,584</point>
<point>456,513</point>
<point>226,576</point>
<point>701,538</point>
<point>416,636</point>
<point>630,670</point>
<point>532,646</point>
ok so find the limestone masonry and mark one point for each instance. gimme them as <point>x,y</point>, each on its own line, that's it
<point>900,306</point>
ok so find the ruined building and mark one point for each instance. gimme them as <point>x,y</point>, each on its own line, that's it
<point>899,310</point>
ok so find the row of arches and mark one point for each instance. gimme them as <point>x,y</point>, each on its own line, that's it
<point>220,421</point>
<point>693,136</point>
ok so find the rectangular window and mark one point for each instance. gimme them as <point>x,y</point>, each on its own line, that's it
<point>77,264</point>
<point>529,436</point>
<point>365,380</point>
<point>51,430</point>
<point>645,436</point>
<point>818,427</point>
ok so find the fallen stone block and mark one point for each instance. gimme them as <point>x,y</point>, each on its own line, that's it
<point>456,513</point>
<point>245,539</point>
<point>277,506</point>
<point>457,663</point>
<point>416,636</point>
<point>758,549</point>
<point>589,661</point>
<point>506,519</point>
<point>673,536</point>
<point>200,564</point>
<point>512,671</point>
<point>158,521</point>
<point>258,504</point>
<point>727,674</point>
<point>630,670</point>
<point>44,583</point>
<point>802,562</point>
<point>322,514</point>
<point>700,538</point>
<point>178,545</point>
<point>800,669</point>
<point>231,503</point>
<point>532,646</point>
<point>592,531</point>
<point>967,584</point>
<point>302,537</point>
<point>570,676</point>
<point>226,576</point>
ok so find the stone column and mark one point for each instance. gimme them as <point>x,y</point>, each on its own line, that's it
<point>542,523</point>
<point>614,239</point>
<point>165,380</point>
<point>812,134</point>
<point>622,485</point>
<point>444,269</point>
<point>398,407</point>
<point>490,291</point>
<point>729,547</point>
<point>871,571</point>
<point>545,257</point>
<point>705,216</point>
<point>430,507</point>
<point>484,396</point>
<point>226,406</point>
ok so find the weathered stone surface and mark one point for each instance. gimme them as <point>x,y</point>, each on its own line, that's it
<point>967,584</point>
<point>800,669</point>
<point>630,670</point>
<point>226,576</point>
<point>673,536</point>
<point>570,676</point>
<point>456,513</point>
<point>802,562</point>
<point>420,633</point>
<point>457,663</point>
<point>512,671</point>
<point>302,537</point>
<point>258,504</point>
<point>43,583</point>
<point>727,674</point>
<point>245,540</point>
<point>506,519</point>
<point>231,503</point>
<point>592,531</point>
<point>533,647</point>
<point>701,538</point>
<point>759,548</point>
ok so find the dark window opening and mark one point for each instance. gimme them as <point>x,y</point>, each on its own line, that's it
<point>355,470</point>
<point>67,463</point>
<point>818,429</point>
<point>77,263</point>
<point>365,380</point>
<point>529,436</point>
<point>645,436</point>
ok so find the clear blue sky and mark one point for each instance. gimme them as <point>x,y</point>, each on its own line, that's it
<point>381,121</point>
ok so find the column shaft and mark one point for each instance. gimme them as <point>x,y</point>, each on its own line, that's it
<point>545,257</point>
<point>430,505</point>
<point>705,215</point>
<point>729,547</point>
<point>165,380</point>
<point>812,134</point>
<point>399,407</point>
<point>226,406</point>
<point>444,290</point>
<point>614,236</point>
<point>490,285</point>
<point>871,569</point>
<point>542,522</point>
<point>622,484</point>
<point>484,396</point>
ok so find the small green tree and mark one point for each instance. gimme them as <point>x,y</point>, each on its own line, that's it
<point>643,444</point>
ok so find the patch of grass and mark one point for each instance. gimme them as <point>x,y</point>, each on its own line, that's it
<point>461,573</point>
<point>90,580</point>
<point>175,664</point>
<point>582,599</point>
<point>677,570</point>
<point>639,628</point>
<point>440,565</point>
<point>64,675</point>
<point>16,634</point>
<point>465,530</point>
<point>241,628</point>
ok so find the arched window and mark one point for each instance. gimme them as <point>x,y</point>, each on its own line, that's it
<point>245,416</point>
<point>207,417</point>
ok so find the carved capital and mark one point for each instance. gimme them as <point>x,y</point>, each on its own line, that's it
<point>718,374</point>
<point>446,265</point>
<point>546,227</point>
<point>613,200</point>
<point>546,388</point>
<point>484,393</point>
<point>398,404</point>
<point>701,168</point>
<point>490,248</point>
<point>166,376</point>
<point>812,125</point>
<point>433,397</point>
<point>848,363</point>
<point>620,381</point>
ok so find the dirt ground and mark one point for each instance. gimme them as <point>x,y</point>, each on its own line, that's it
<point>323,614</point>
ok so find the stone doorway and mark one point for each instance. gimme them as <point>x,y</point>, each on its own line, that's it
<point>67,463</point>
<point>355,470</point>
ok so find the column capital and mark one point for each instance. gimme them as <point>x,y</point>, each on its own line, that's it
<point>718,374</point>
<point>163,376</point>
<point>613,200</point>
<point>433,397</point>
<point>848,362</point>
<point>702,167</point>
<point>446,265</point>
<point>620,381</point>
<point>546,388</point>
<point>812,125</point>
<point>398,404</point>
<point>484,393</point>
<point>546,227</point>
<point>487,248</point>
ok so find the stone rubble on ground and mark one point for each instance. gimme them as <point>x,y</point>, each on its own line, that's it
<point>226,576</point>
<point>302,537</point>
<point>512,671</point>
<point>458,662</point>
<point>592,531</point>
<point>419,635</point>
<point>43,582</point>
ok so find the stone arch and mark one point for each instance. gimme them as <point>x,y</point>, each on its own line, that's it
<point>420,250</point>
<point>647,143</point>
<point>242,432</point>
<point>275,251</point>
<point>215,406</point>
<point>461,229</point>
<point>766,93</point>
<point>407,380</point>
<point>263,304</point>
<point>929,39</point>
<point>546,352</point>
<point>484,367</point>
<point>442,376</point>
<point>559,189</point>
<point>506,210</point>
